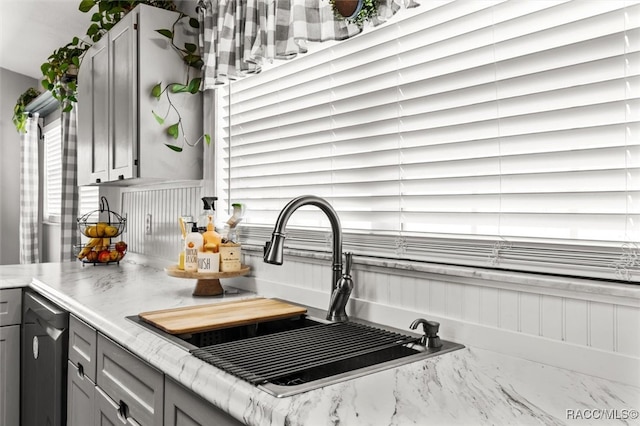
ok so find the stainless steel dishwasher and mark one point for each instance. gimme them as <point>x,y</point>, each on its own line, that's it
<point>45,338</point>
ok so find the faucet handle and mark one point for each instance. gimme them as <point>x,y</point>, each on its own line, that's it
<point>348,257</point>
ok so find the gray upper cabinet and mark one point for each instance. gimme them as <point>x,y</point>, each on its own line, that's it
<point>119,139</point>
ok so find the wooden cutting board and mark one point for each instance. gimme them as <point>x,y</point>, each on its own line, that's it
<point>195,319</point>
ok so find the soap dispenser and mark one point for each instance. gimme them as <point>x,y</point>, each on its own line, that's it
<point>192,245</point>
<point>207,209</point>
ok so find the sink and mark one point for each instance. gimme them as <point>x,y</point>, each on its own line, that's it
<point>289,356</point>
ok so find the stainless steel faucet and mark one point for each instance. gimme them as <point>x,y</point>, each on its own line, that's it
<point>341,285</point>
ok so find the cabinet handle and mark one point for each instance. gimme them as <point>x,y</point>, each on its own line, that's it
<point>123,411</point>
<point>98,180</point>
<point>121,177</point>
<point>80,371</point>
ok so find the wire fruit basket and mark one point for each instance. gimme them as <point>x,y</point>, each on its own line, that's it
<point>100,254</point>
<point>101,223</point>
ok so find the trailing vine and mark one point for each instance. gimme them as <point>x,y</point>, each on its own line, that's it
<point>191,57</point>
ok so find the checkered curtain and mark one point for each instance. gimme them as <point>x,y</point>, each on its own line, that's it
<point>29,193</point>
<point>69,235</point>
<point>237,36</point>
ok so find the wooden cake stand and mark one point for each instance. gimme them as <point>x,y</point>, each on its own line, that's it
<point>207,284</point>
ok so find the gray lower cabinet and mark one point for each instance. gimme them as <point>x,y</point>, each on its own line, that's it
<point>10,320</point>
<point>80,397</point>
<point>137,388</point>
<point>81,373</point>
<point>108,385</point>
<point>108,413</point>
<point>184,408</point>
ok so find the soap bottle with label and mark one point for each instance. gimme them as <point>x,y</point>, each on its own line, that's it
<point>192,245</point>
<point>209,258</point>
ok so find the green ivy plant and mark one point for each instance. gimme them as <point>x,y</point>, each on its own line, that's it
<point>60,71</point>
<point>61,67</point>
<point>110,12</point>
<point>368,10</point>
<point>191,57</point>
<point>20,114</point>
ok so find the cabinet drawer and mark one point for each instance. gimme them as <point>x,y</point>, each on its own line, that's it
<point>82,347</point>
<point>10,306</point>
<point>130,382</point>
<point>184,408</point>
<point>108,413</point>
<point>80,397</point>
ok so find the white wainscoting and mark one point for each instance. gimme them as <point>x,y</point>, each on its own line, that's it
<point>562,326</point>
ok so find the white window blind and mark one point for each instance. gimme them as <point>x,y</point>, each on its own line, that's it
<point>88,196</point>
<point>500,134</point>
<point>53,172</point>
<point>89,200</point>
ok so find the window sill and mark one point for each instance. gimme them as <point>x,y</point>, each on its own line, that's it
<point>598,290</point>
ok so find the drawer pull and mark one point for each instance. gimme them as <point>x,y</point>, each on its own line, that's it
<point>80,371</point>
<point>123,412</point>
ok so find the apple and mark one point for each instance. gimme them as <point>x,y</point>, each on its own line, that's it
<point>92,256</point>
<point>104,256</point>
<point>121,246</point>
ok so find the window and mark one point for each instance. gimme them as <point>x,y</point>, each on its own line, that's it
<point>88,196</point>
<point>493,134</point>
<point>53,172</point>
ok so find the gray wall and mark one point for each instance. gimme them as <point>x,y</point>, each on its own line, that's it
<point>12,85</point>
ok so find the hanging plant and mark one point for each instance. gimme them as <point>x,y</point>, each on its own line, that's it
<point>355,11</point>
<point>110,12</point>
<point>20,115</point>
<point>191,57</point>
<point>60,72</point>
<point>61,68</point>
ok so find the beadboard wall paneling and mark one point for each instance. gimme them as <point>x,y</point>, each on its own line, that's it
<point>165,205</point>
<point>596,327</point>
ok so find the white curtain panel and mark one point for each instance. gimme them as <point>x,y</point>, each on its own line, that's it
<point>29,193</point>
<point>69,235</point>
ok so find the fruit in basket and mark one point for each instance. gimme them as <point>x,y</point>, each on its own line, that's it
<point>110,231</point>
<point>100,227</point>
<point>92,256</point>
<point>104,256</point>
<point>93,242</point>
<point>91,231</point>
<point>121,246</point>
<point>114,255</point>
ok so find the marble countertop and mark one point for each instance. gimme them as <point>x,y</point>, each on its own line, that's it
<point>467,387</point>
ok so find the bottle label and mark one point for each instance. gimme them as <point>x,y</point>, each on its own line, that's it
<point>208,262</point>
<point>191,259</point>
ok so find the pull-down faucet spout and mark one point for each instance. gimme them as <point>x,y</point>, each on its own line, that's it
<point>274,249</point>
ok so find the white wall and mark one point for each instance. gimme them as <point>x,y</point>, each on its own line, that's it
<point>12,85</point>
